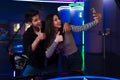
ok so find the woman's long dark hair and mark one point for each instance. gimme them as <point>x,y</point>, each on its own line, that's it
<point>49,30</point>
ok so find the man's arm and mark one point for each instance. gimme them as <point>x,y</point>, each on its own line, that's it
<point>41,36</point>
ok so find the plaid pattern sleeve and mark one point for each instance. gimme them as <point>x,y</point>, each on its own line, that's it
<point>84,27</point>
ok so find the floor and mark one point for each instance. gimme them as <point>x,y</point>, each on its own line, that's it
<point>95,64</point>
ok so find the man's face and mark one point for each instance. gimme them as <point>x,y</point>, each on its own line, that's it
<point>36,21</point>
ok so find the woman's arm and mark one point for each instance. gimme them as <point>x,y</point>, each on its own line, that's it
<point>49,52</point>
<point>97,19</point>
<point>84,27</point>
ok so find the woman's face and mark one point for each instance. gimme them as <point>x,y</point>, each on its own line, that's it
<point>56,22</point>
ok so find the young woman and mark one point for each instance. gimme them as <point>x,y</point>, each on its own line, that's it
<point>61,47</point>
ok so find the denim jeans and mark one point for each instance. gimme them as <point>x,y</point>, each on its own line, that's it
<point>30,71</point>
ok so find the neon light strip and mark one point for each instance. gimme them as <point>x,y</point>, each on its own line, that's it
<point>48,1</point>
<point>14,73</point>
<point>63,7</point>
<point>83,77</point>
<point>83,46</point>
<point>83,49</point>
<point>81,4</point>
<point>77,4</point>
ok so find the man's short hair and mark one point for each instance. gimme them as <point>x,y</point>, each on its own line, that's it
<point>30,14</point>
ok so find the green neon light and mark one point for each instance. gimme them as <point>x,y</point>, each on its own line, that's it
<point>83,50</point>
<point>81,4</point>
<point>77,4</point>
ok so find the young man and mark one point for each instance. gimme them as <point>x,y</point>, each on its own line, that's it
<point>33,42</point>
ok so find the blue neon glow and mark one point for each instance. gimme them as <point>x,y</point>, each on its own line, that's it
<point>18,46</point>
<point>83,77</point>
<point>14,73</point>
<point>52,1</point>
<point>19,51</point>
<point>64,13</point>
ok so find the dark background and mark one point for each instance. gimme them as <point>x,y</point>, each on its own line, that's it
<point>95,63</point>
